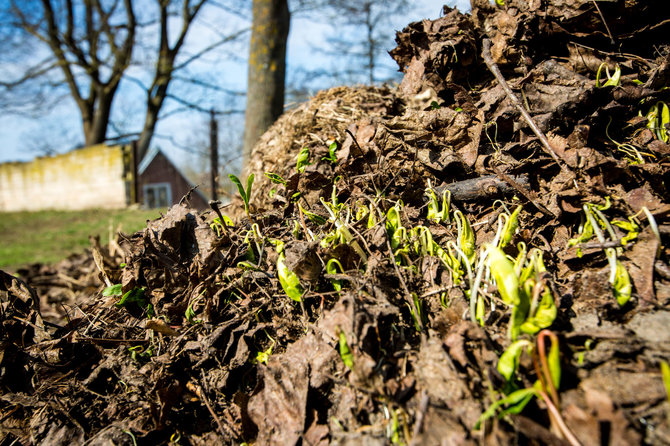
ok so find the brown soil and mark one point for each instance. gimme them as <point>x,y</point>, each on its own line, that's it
<point>209,349</point>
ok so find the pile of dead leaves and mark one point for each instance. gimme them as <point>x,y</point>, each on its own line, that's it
<point>478,256</point>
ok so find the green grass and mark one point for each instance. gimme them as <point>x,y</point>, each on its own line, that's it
<point>49,236</point>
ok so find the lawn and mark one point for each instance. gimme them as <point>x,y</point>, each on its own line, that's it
<point>49,236</point>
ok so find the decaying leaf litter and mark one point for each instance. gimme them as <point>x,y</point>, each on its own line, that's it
<point>416,265</point>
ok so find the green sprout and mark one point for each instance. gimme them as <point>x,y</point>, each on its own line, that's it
<point>252,261</point>
<point>314,218</point>
<point>134,298</point>
<point>420,315</point>
<point>303,160</point>
<point>466,237</point>
<point>396,232</point>
<point>630,152</point>
<point>245,194</point>
<point>594,221</point>
<point>510,227</point>
<point>508,363</point>
<point>435,213</point>
<point>548,371</point>
<point>345,352</point>
<point>219,226</point>
<point>189,314</point>
<point>335,267</point>
<point>290,282</point>
<point>524,289</point>
<point>631,227</point>
<point>332,153</point>
<point>275,178</point>
<point>113,290</point>
<point>658,118</point>
<point>363,211</point>
<point>341,233</point>
<point>139,354</point>
<point>613,80</point>
<point>621,286</point>
<point>502,270</point>
<point>665,375</point>
<point>264,356</point>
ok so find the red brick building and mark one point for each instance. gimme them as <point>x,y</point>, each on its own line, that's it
<point>160,184</point>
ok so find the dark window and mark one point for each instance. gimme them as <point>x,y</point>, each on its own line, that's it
<point>157,195</point>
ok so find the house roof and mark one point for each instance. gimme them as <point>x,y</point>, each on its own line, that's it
<point>151,155</point>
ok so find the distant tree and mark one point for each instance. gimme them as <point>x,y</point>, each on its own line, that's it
<point>267,69</point>
<point>88,46</point>
<point>361,30</point>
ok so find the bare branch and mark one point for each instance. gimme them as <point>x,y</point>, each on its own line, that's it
<point>211,47</point>
<point>207,85</point>
<point>38,70</point>
<point>196,107</point>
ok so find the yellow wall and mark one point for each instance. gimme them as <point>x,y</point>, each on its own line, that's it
<point>91,177</point>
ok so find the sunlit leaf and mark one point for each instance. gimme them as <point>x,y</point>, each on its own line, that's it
<point>544,315</point>
<point>510,228</point>
<point>275,178</point>
<point>335,267</point>
<point>289,281</point>
<point>503,272</point>
<point>516,401</point>
<point>114,290</point>
<point>622,286</point>
<point>303,160</point>
<point>466,237</point>
<point>345,352</point>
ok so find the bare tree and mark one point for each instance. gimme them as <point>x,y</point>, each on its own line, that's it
<point>267,68</point>
<point>361,28</point>
<point>87,45</point>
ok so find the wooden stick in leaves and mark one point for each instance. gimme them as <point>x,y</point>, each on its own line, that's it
<point>486,54</point>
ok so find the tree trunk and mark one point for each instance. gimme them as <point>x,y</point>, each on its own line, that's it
<point>95,129</point>
<point>267,67</point>
<point>150,121</point>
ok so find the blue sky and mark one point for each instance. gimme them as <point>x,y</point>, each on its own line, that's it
<point>21,136</point>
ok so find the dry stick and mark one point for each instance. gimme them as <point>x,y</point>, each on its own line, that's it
<point>486,53</point>
<point>530,195</point>
<point>418,425</point>
<point>486,186</point>
<point>560,422</point>
<point>602,17</point>
<point>214,205</point>
<point>200,393</point>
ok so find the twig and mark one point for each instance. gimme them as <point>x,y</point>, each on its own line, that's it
<point>548,381</point>
<point>198,390</point>
<point>187,197</point>
<point>214,205</point>
<point>560,422</point>
<point>418,425</point>
<point>437,291</point>
<point>482,187</point>
<point>597,245</point>
<point>529,194</point>
<point>486,53</point>
<point>602,17</point>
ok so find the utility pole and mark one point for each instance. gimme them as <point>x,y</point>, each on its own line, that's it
<point>213,153</point>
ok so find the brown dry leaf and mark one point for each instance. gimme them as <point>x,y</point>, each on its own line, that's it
<point>279,409</point>
<point>160,326</point>
<point>642,257</point>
